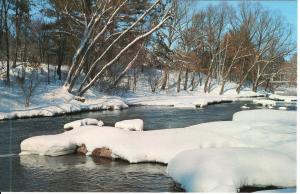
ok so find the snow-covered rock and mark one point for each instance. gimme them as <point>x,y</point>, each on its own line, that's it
<point>283,98</point>
<point>228,169</point>
<point>266,116</point>
<point>83,122</point>
<point>282,108</point>
<point>286,190</point>
<point>245,107</point>
<point>131,125</point>
<point>264,102</point>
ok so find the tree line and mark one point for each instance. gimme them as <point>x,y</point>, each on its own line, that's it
<point>104,40</point>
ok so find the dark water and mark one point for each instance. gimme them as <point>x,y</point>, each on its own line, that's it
<point>81,173</point>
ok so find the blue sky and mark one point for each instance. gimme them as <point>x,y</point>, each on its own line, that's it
<point>287,8</point>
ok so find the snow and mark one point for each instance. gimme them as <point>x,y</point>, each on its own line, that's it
<point>83,122</point>
<point>228,169</point>
<point>130,125</point>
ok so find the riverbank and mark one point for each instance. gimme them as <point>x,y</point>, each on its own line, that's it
<point>53,100</point>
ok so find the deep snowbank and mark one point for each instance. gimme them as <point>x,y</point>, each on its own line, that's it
<point>228,169</point>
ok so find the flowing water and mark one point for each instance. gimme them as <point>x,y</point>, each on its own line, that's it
<point>81,173</point>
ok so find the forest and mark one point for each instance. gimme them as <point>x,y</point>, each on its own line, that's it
<point>104,43</point>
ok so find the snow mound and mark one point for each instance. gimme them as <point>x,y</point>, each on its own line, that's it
<point>266,116</point>
<point>264,102</point>
<point>51,145</point>
<point>228,169</point>
<point>130,125</point>
<point>83,122</point>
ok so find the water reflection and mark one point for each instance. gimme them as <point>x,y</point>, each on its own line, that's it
<point>81,173</point>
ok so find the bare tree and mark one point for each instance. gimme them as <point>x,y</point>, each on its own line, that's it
<point>28,84</point>
<point>171,35</point>
<point>271,40</point>
<point>105,14</point>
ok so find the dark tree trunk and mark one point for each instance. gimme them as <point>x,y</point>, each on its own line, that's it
<point>165,77</point>
<point>179,81</point>
<point>222,87</point>
<point>48,70</point>
<point>206,84</point>
<point>254,87</point>
<point>17,27</point>
<point>6,40</point>
<point>186,79</point>
<point>238,89</point>
<point>267,84</point>
<point>200,79</point>
<point>193,82</point>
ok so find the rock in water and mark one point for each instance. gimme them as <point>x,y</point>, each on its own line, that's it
<point>102,152</point>
<point>81,150</point>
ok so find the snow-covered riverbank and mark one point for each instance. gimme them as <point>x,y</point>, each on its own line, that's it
<point>56,102</point>
<point>52,99</point>
<point>251,136</point>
